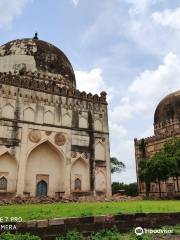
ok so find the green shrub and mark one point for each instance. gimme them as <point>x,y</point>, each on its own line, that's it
<point>72,235</point>
<point>111,234</point>
<point>18,236</point>
<point>129,189</point>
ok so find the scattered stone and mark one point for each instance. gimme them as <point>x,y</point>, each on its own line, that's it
<point>45,200</point>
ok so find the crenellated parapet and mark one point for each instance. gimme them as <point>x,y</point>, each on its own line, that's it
<point>48,84</point>
<point>153,138</point>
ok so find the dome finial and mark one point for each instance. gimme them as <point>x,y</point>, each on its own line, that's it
<point>36,36</point>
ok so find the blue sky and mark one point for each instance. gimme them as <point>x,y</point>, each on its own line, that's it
<point>130,48</point>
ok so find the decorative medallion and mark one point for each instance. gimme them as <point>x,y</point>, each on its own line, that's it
<point>35,136</point>
<point>59,139</point>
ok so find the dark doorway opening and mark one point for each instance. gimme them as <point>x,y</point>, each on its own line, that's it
<point>78,184</point>
<point>41,189</point>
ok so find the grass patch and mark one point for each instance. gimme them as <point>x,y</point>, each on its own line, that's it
<point>104,234</point>
<point>49,211</point>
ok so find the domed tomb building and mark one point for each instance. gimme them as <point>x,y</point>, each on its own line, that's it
<point>54,139</point>
<point>166,126</point>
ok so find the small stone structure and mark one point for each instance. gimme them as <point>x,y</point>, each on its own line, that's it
<point>54,139</point>
<point>166,127</point>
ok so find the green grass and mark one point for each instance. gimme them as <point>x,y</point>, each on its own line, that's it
<point>114,234</point>
<point>49,211</point>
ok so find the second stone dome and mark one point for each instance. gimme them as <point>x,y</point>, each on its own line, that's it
<point>168,109</point>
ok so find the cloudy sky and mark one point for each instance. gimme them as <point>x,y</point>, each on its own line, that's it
<point>130,48</point>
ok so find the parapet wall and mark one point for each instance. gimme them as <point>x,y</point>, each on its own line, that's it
<point>47,84</point>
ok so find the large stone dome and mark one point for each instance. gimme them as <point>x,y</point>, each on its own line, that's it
<point>34,55</point>
<point>168,110</point>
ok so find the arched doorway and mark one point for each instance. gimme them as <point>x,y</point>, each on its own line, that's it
<point>45,163</point>
<point>41,189</point>
<point>77,184</point>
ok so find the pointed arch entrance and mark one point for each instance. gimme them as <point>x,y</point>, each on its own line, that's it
<point>41,188</point>
<point>44,170</point>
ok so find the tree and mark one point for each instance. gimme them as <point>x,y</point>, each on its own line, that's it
<point>129,189</point>
<point>145,175</point>
<point>172,150</point>
<point>116,186</point>
<point>116,165</point>
<point>161,167</point>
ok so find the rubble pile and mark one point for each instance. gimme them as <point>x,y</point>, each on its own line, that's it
<point>45,200</point>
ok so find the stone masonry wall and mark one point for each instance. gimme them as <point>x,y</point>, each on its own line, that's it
<point>49,229</point>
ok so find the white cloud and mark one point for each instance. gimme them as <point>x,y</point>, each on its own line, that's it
<point>117,130</point>
<point>76,2</point>
<point>140,6</point>
<point>140,101</point>
<point>91,81</point>
<point>148,88</point>
<point>147,133</point>
<point>106,23</point>
<point>168,17</point>
<point>147,42</point>
<point>131,20</point>
<point>125,110</point>
<point>152,84</point>
<point>9,9</point>
<point>129,176</point>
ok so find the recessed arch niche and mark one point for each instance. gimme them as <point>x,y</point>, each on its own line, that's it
<point>8,111</point>
<point>80,171</point>
<point>48,117</point>
<point>45,160</point>
<point>98,125</point>
<point>29,114</point>
<point>100,181</point>
<point>99,151</point>
<point>8,170</point>
<point>66,120</point>
<point>83,123</point>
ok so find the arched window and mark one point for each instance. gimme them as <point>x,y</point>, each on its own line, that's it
<point>3,183</point>
<point>78,184</point>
